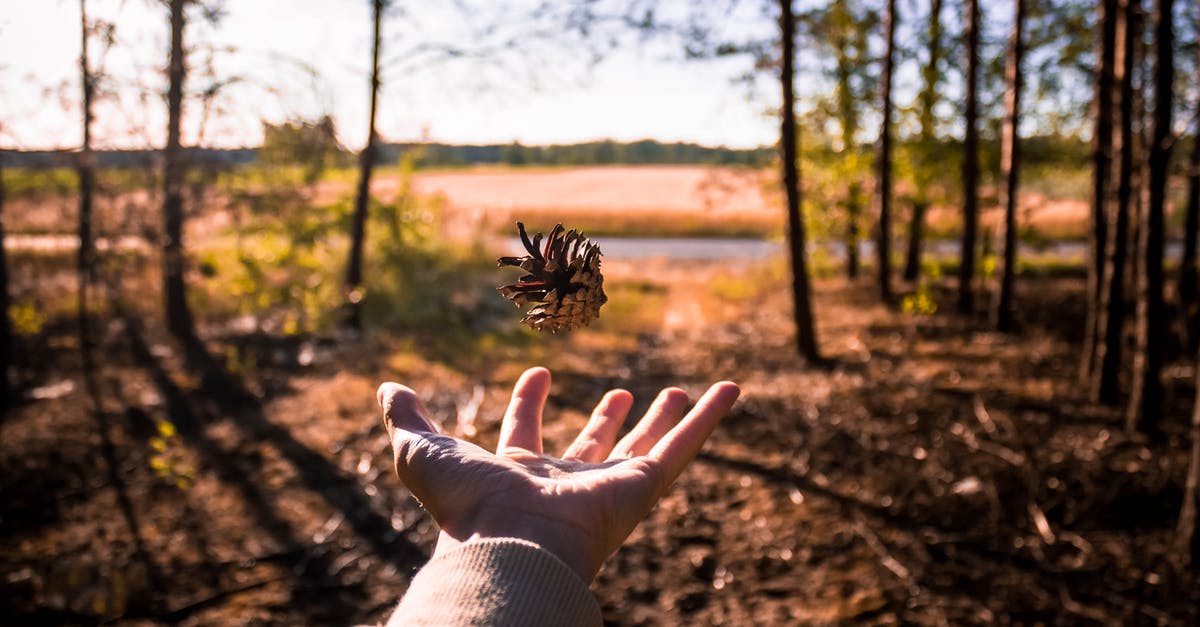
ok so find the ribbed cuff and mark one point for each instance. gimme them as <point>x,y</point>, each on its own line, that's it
<point>497,581</point>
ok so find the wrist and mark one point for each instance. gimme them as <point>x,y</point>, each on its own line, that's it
<point>566,551</point>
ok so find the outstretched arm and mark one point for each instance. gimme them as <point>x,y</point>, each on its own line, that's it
<point>579,507</point>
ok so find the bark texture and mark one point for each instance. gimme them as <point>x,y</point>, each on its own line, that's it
<point>806,342</point>
<point>1104,384</point>
<point>1145,406</point>
<point>1102,145</point>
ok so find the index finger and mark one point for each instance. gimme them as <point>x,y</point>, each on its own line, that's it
<point>681,444</point>
<point>522,424</point>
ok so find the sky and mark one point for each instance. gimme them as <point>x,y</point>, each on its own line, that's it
<point>287,59</point>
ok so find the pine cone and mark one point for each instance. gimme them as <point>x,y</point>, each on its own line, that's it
<point>564,280</point>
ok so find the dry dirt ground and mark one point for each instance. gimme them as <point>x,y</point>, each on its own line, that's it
<point>932,472</point>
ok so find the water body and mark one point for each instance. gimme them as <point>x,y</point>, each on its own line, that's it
<point>634,248</point>
<point>717,249</point>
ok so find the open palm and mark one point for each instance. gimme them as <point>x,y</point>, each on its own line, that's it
<point>580,507</point>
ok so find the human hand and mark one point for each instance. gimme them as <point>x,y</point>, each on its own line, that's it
<point>580,507</point>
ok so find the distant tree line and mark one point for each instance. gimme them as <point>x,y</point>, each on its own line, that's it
<point>1043,150</point>
<point>435,155</point>
<point>647,151</point>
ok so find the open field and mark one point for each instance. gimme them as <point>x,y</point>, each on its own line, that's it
<point>602,200</point>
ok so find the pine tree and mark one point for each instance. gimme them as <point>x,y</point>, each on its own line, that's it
<point>884,245</point>
<point>1010,164</point>
<point>1102,146</point>
<point>806,341</point>
<point>1145,405</point>
<point>362,198</point>
<point>1187,530</point>
<point>7,355</point>
<point>970,168</point>
<point>179,316</point>
<point>1120,31</point>
<point>927,100</point>
<point>85,166</point>
<point>1189,267</point>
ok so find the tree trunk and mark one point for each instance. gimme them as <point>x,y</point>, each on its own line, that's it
<point>1010,165</point>
<point>806,341</point>
<point>853,214</point>
<point>1145,407</point>
<point>1189,273</point>
<point>884,246</point>
<point>179,316</point>
<point>926,101</point>
<point>1185,538</point>
<point>847,114</point>
<point>912,256</point>
<point>362,199</point>
<point>84,262</point>
<point>1101,159</point>
<point>6,337</point>
<point>970,168</point>
<point>1120,32</point>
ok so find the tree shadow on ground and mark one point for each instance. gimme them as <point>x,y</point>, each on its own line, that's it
<point>222,396</point>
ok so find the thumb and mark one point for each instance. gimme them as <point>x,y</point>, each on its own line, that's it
<point>402,409</point>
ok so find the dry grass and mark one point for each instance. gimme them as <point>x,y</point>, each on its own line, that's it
<point>601,200</point>
<point>647,200</point>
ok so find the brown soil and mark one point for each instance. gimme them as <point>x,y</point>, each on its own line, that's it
<point>933,473</point>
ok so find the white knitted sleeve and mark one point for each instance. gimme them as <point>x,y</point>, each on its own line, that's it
<point>498,581</point>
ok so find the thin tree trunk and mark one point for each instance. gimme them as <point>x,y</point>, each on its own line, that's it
<point>847,114</point>
<point>912,255</point>
<point>1189,273</point>
<point>884,246</point>
<point>362,198</point>
<point>6,337</point>
<point>927,101</point>
<point>1185,537</point>
<point>1111,321</point>
<point>970,172</point>
<point>1101,159</point>
<point>1010,165</point>
<point>179,316</point>
<point>806,341</point>
<point>84,262</point>
<point>853,214</point>
<point>1145,408</point>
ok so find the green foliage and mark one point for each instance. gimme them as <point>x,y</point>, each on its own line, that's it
<point>921,301</point>
<point>282,269</point>
<point>284,264</point>
<point>26,318</point>
<point>39,184</point>
<point>167,459</point>
<point>310,145</point>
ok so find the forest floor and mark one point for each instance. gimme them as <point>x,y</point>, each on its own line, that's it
<point>934,472</point>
